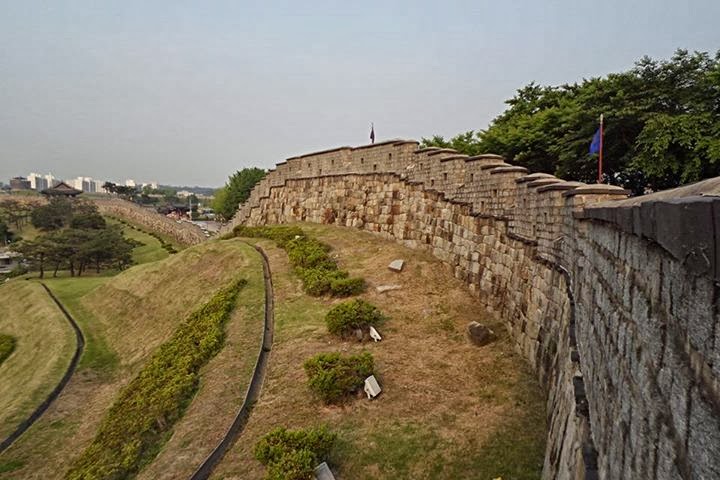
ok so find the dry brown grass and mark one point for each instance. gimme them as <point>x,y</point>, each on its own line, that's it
<point>45,345</point>
<point>132,313</point>
<point>447,406</point>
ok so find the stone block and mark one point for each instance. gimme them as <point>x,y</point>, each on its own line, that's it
<point>685,228</point>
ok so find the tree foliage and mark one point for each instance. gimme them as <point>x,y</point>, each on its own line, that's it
<point>662,125</point>
<point>77,238</point>
<point>236,191</point>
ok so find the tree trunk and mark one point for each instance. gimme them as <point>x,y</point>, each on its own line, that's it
<point>42,265</point>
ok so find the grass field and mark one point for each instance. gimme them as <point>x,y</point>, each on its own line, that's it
<point>448,409</point>
<point>124,318</point>
<point>45,344</point>
<point>150,251</point>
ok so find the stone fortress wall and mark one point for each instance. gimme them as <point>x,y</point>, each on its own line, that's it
<point>613,301</point>
<point>182,232</point>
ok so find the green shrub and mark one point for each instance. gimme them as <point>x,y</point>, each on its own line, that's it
<point>345,287</point>
<point>319,273</point>
<point>7,346</point>
<point>293,454</point>
<point>333,376</point>
<point>132,431</point>
<point>343,319</point>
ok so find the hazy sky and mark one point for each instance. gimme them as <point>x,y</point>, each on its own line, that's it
<point>188,92</point>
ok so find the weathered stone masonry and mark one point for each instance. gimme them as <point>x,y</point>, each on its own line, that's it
<point>184,233</point>
<point>614,304</point>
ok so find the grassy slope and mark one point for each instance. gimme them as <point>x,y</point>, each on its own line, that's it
<point>45,344</point>
<point>125,318</point>
<point>449,410</point>
<point>150,251</point>
<point>223,384</point>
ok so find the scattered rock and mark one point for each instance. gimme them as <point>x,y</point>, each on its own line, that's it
<point>480,334</point>
<point>387,288</point>
<point>397,265</point>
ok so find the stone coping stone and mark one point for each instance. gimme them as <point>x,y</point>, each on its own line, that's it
<point>533,176</point>
<point>560,186</point>
<point>597,189</point>
<point>508,169</point>
<point>541,182</point>
<point>490,166</point>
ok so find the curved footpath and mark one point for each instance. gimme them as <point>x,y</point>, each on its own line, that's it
<point>253,392</point>
<point>80,346</point>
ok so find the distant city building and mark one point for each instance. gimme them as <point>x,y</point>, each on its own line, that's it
<point>38,182</point>
<point>184,193</point>
<point>51,180</point>
<point>84,184</point>
<point>20,183</point>
<point>130,183</point>
<point>152,185</point>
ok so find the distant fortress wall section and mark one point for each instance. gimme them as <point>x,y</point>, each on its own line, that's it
<point>184,233</point>
<point>613,302</point>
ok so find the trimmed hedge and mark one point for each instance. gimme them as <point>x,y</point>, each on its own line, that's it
<point>294,454</point>
<point>333,377</point>
<point>7,346</point>
<point>343,319</point>
<point>145,411</point>
<point>318,272</point>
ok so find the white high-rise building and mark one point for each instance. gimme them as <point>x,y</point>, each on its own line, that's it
<point>37,181</point>
<point>130,183</point>
<point>51,180</point>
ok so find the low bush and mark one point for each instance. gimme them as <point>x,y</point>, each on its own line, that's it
<point>345,287</point>
<point>7,346</point>
<point>145,411</point>
<point>343,319</point>
<point>333,377</point>
<point>293,454</point>
<point>319,273</point>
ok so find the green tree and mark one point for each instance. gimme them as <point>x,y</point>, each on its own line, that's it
<point>662,125</point>
<point>236,191</point>
<point>54,215</point>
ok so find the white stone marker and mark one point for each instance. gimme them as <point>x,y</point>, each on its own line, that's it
<point>372,388</point>
<point>397,265</point>
<point>323,472</point>
<point>387,288</point>
<point>374,334</point>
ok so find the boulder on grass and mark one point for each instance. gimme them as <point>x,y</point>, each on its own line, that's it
<point>479,334</point>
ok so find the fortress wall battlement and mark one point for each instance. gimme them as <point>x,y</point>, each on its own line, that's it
<point>614,303</point>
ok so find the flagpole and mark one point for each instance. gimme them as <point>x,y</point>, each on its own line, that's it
<point>600,158</point>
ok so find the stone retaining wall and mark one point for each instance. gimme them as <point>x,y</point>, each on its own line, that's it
<point>618,317</point>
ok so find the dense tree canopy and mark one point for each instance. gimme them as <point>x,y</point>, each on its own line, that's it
<point>662,125</point>
<point>236,190</point>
